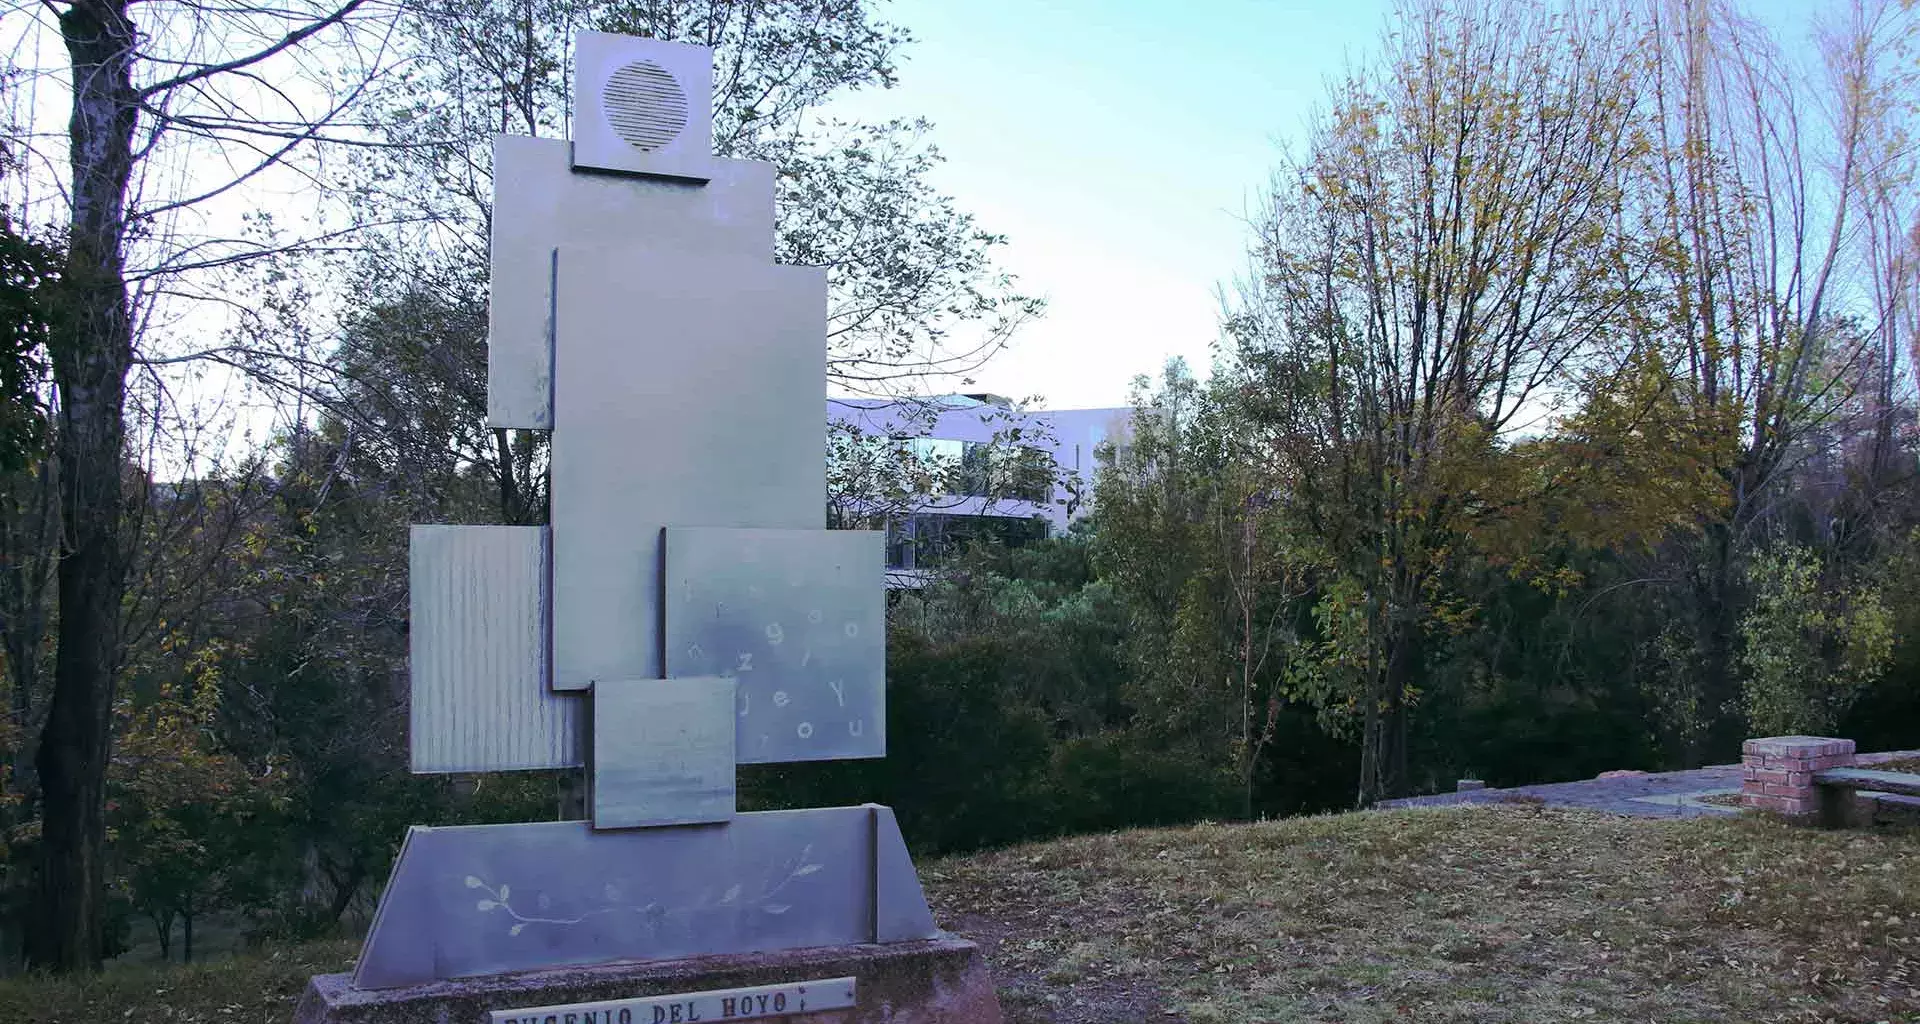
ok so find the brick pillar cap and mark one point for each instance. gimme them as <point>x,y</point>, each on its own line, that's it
<point>1797,746</point>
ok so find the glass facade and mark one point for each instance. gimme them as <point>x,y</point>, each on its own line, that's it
<point>929,540</point>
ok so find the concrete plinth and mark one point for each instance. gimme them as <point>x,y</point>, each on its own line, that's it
<point>929,981</point>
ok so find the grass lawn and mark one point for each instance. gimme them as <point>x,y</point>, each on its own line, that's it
<point>1490,913</point>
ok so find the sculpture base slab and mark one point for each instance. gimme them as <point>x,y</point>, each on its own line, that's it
<point>926,981</point>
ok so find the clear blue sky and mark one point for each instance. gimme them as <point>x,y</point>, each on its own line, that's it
<point>1121,145</point>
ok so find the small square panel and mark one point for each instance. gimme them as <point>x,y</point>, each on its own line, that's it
<point>662,752</point>
<point>643,106</point>
<point>797,618</point>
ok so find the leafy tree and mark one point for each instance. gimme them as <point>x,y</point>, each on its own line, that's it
<point>1189,535</point>
<point>411,396</point>
<point>194,828</point>
<point>1809,648</point>
<point>1760,204</point>
<point>29,277</point>
<point>1430,267</point>
<point>139,99</point>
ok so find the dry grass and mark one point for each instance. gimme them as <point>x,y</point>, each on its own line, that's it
<point>1492,913</point>
<point>257,989</point>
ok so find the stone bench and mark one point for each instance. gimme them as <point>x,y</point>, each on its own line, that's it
<point>1864,796</point>
<point>1813,779</point>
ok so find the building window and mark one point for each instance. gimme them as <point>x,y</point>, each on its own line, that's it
<point>932,540</point>
<point>1004,471</point>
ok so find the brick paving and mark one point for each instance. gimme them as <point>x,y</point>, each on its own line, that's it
<point>1653,795</point>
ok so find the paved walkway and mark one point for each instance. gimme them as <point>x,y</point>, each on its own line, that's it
<point>1653,795</point>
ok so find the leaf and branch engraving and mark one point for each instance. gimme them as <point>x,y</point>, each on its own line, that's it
<point>500,898</point>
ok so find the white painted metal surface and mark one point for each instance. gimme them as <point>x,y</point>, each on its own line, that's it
<point>682,375</point>
<point>642,106</point>
<point>488,899</point>
<point>797,618</point>
<point>539,203</point>
<point>687,392</point>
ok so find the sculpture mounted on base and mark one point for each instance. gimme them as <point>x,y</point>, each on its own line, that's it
<point>686,611</point>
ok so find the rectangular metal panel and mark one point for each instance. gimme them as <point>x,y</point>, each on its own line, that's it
<point>488,899</point>
<point>540,203</point>
<point>662,752</point>
<point>798,619</point>
<point>478,654</point>
<point>650,431</point>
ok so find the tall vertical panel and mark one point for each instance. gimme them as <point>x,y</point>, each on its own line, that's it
<point>651,430</point>
<point>478,654</point>
<point>540,203</point>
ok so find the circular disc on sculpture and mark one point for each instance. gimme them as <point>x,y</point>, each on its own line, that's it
<point>645,105</point>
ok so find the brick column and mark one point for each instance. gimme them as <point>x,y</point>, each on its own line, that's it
<point>1777,773</point>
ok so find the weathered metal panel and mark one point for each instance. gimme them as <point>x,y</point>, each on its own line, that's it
<point>488,899</point>
<point>539,203</point>
<point>798,619</point>
<point>649,431</point>
<point>662,752</point>
<point>478,654</point>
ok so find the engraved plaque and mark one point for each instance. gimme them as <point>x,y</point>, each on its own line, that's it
<point>662,752</point>
<point>688,1007</point>
<point>797,618</point>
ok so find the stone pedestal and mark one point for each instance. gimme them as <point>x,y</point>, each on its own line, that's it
<point>931,981</point>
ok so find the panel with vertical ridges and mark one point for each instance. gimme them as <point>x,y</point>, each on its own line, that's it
<point>478,653</point>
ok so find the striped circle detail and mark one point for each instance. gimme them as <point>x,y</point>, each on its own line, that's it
<point>645,105</point>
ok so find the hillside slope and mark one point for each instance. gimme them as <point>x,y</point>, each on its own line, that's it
<point>1492,913</point>
<point>1498,913</point>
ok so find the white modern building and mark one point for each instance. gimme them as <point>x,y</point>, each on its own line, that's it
<point>1022,473</point>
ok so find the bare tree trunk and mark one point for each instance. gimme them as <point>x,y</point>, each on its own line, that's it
<point>1370,749</point>
<point>1722,725</point>
<point>90,361</point>
<point>513,510</point>
<point>26,548</point>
